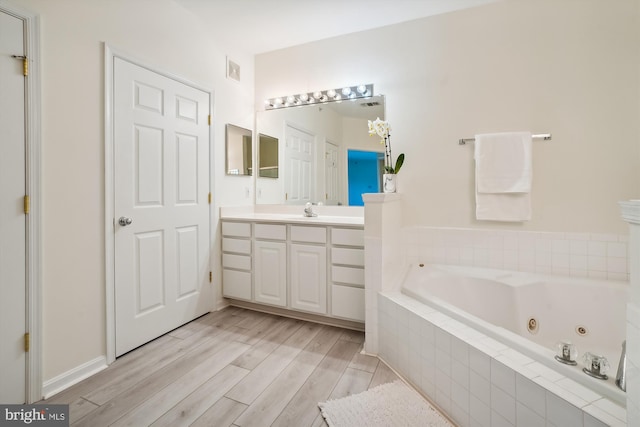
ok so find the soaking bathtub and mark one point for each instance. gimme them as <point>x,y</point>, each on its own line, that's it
<point>531,313</point>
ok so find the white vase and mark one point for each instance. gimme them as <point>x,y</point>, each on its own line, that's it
<point>389,182</point>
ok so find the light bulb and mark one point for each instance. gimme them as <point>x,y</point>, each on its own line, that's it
<point>277,101</point>
<point>362,89</point>
<point>304,97</point>
<point>331,93</point>
<point>346,91</point>
<point>291,99</point>
<point>317,95</point>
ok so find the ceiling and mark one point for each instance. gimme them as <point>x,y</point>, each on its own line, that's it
<point>258,26</point>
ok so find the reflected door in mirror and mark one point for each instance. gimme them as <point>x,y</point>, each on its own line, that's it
<point>300,161</point>
<point>332,196</point>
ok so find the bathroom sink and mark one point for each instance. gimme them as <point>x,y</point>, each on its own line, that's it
<point>304,218</point>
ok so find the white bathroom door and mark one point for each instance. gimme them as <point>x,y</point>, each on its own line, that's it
<point>161,209</point>
<point>12,212</point>
<point>299,166</point>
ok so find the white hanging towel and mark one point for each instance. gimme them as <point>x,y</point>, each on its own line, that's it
<point>503,176</point>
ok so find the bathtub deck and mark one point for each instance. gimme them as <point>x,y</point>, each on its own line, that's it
<point>232,367</point>
<point>479,380</point>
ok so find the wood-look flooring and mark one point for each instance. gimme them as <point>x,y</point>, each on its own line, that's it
<point>234,367</point>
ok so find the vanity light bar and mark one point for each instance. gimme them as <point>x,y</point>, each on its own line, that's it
<point>321,96</point>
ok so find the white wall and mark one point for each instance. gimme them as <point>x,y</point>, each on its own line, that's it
<point>566,67</point>
<point>159,33</point>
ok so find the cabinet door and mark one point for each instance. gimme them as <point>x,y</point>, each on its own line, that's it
<point>308,270</point>
<point>270,273</point>
<point>236,284</point>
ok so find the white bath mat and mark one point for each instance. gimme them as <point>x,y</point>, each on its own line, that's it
<point>391,404</point>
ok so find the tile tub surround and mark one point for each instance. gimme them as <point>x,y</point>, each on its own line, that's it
<point>383,247</point>
<point>631,214</point>
<point>466,393</point>
<point>477,380</point>
<point>602,256</point>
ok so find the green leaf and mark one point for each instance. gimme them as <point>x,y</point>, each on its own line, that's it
<point>399,162</point>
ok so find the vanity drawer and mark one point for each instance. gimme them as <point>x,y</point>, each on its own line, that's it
<point>236,229</point>
<point>270,231</point>
<point>236,245</point>
<point>236,284</point>
<point>308,234</point>
<point>347,256</point>
<point>347,236</point>
<point>240,262</point>
<point>347,302</point>
<point>350,275</point>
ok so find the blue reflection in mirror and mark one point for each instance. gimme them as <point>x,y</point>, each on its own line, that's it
<point>364,171</point>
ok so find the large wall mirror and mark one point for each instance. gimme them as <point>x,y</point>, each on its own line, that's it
<point>317,143</point>
<point>239,157</point>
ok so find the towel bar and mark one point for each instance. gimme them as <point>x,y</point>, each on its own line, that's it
<point>544,136</point>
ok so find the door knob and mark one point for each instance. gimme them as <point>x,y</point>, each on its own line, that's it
<point>124,221</point>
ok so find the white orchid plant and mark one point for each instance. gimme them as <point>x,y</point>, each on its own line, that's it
<point>383,130</point>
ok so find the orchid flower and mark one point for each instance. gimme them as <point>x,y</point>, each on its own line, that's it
<point>379,127</point>
<point>383,130</point>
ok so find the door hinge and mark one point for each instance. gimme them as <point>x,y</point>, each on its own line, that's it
<point>209,119</point>
<point>210,277</point>
<point>27,204</point>
<point>27,342</point>
<point>209,198</point>
<point>25,63</point>
<point>286,196</point>
<point>326,196</point>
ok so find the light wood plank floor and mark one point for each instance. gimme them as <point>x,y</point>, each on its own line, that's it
<point>234,367</point>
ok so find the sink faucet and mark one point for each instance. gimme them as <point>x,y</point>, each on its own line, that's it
<point>308,210</point>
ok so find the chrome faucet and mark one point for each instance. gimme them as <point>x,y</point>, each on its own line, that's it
<point>621,376</point>
<point>308,210</point>
<point>595,365</point>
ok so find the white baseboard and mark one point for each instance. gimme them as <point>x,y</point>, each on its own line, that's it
<point>73,376</point>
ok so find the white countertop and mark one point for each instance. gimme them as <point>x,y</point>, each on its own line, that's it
<point>327,215</point>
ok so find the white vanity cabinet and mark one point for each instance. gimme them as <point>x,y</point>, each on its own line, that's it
<point>347,273</point>
<point>308,268</point>
<point>236,260</point>
<point>317,269</point>
<point>270,264</point>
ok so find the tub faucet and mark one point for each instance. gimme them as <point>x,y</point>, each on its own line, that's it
<point>308,210</point>
<point>621,376</point>
<point>595,366</point>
